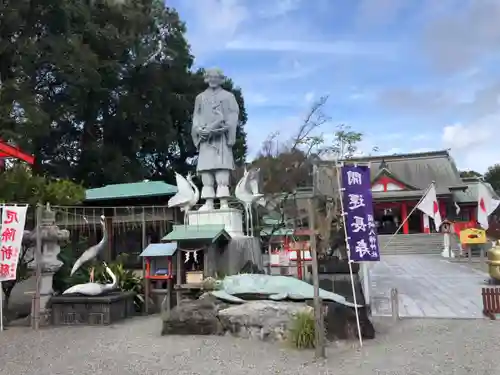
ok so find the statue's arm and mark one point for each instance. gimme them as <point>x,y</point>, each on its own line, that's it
<point>195,129</point>
<point>231,120</point>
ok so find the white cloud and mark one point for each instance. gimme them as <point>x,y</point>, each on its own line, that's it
<point>309,97</point>
<point>379,12</point>
<point>474,145</point>
<point>277,8</point>
<point>214,22</point>
<point>345,48</point>
<point>420,137</point>
<point>255,98</point>
<point>464,34</point>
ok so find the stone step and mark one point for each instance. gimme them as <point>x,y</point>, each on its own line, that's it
<point>412,244</point>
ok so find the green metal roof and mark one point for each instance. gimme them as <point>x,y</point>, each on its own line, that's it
<point>196,232</point>
<point>160,250</point>
<point>278,232</point>
<point>131,190</point>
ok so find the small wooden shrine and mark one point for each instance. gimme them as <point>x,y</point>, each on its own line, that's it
<point>158,271</point>
<point>199,249</point>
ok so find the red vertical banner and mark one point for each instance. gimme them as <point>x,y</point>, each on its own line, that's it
<point>11,237</point>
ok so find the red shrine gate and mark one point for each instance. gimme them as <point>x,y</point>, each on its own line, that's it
<point>10,152</point>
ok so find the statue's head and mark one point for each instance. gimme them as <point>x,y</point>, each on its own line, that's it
<point>214,77</point>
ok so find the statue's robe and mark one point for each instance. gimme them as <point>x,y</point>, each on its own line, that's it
<point>215,152</point>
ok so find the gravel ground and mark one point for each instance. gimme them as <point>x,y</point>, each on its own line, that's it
<point>135,347</point>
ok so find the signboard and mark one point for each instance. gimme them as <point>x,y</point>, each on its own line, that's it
<point>11,237</point>
<point>360,225</point>
<point>473,236</point>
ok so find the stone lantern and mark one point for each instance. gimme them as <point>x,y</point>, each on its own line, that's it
<point>51,237</point>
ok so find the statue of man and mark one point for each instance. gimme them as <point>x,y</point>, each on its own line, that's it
<point>215,119</point>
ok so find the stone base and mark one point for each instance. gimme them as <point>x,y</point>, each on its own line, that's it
<point>198,317</point>
<point>447,253</point>
<point>231,218</point>
<point>241,253</point>
<point>263,320</point>
<point>97,310</point>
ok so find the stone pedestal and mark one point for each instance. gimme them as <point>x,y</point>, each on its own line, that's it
<point>95,310</point>
<point>231,218</point>
<point>240,252</point>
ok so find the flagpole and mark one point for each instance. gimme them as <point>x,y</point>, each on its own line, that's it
<point>341,193</point>
<point>408,216</point>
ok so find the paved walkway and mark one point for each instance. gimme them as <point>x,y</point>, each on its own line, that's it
<point>428,286</point>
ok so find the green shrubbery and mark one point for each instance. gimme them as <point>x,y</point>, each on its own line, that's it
<point>302,332</point>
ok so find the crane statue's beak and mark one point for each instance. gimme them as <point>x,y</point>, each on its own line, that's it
<point>105,264</point>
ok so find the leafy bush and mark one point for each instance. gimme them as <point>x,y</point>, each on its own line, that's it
<point>68,256</point>
<point>302,334</point>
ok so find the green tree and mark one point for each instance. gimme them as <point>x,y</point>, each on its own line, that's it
<point>19,185</point>
<point>469,173</point>
<point>100,93</point>
<point>492,176</point>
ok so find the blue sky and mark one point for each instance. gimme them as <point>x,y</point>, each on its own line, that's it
<point>411,75</point>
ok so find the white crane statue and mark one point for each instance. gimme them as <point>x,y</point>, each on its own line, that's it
<point>247,192</point>
<point>92,251</point>
<point>94,289</point>
<point>187,194</point>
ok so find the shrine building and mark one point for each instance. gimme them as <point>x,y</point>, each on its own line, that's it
<point>399,182</point>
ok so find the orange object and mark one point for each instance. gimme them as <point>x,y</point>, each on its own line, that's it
<point>158,277</point>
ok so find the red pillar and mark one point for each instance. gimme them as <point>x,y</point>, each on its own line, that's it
<point>442,210</point>
<point>472,214</point>
<point>404,214</point>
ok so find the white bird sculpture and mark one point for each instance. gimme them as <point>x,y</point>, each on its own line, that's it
<point>187,194</point>
<point>94,289</point>
<point>92,251</point>
<point>247,192</point>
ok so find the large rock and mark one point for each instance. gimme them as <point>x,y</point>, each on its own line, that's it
<point>340,322</point>
<point>265,320</point>
<point>198,317</point>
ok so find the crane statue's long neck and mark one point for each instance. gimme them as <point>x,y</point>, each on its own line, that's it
<point>104,238</point>
<point>195,188</point>
<point>113,278</point>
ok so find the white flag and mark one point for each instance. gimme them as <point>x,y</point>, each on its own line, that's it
<point>486,204</point>
<point>457,208</point>
<point>429,205</point>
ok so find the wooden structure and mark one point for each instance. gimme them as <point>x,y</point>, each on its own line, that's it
<point>197,254</point>
<point>491,302</point>
<point>135,203</point>
<point>158,272</point>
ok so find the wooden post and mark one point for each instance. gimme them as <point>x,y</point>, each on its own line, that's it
<point>395,304</point>
<point>38,272</point>
<point>147,284</point>
<point>320,350</point>
<point>169,295</point>
<point>144,245</point>
<point>178,292</point>
<point>269,268</point>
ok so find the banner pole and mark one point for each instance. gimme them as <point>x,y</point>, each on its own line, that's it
<point>1,307</point>
<point>358,324</point>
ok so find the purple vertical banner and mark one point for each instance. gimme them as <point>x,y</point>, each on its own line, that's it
<point>358,210</point>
